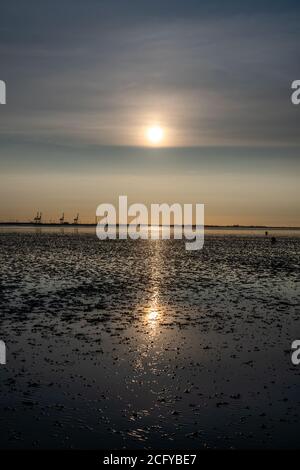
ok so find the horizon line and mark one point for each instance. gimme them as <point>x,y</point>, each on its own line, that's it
<point>71,224</point>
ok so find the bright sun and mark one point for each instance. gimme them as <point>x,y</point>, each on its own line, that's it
<point>155,134</point>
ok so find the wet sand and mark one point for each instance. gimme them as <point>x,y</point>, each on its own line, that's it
<point>141,344</point>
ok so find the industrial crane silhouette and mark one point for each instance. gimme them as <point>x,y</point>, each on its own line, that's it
<point>62,219</point>
<point>76,219</point>
<point>38,218</point>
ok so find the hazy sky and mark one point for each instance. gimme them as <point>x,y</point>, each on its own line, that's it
<point>86,78</point>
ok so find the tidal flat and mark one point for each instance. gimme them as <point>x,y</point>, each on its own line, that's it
<point>126,344</point>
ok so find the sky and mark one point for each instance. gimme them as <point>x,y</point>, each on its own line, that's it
<point>86,79</point>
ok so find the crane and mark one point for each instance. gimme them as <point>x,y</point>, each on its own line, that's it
<point>38,218</point>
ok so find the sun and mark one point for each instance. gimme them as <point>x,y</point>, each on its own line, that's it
<point>155,135</point>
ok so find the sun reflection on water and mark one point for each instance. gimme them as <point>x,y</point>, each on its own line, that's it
<point>153,312</point>
<point>153,319</point>
<point>152,316</point>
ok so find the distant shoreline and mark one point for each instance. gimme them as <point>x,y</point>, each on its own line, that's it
<point>228,227</point>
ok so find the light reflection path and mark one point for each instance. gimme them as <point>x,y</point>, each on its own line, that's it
<point>151,364</point>
<point>150,348</point>
<point>154,311</point>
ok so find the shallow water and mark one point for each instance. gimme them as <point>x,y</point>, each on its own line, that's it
<point>141,344</point>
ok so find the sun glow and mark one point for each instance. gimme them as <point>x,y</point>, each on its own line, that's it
<point>155,135</point>
<point>152,316</point>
